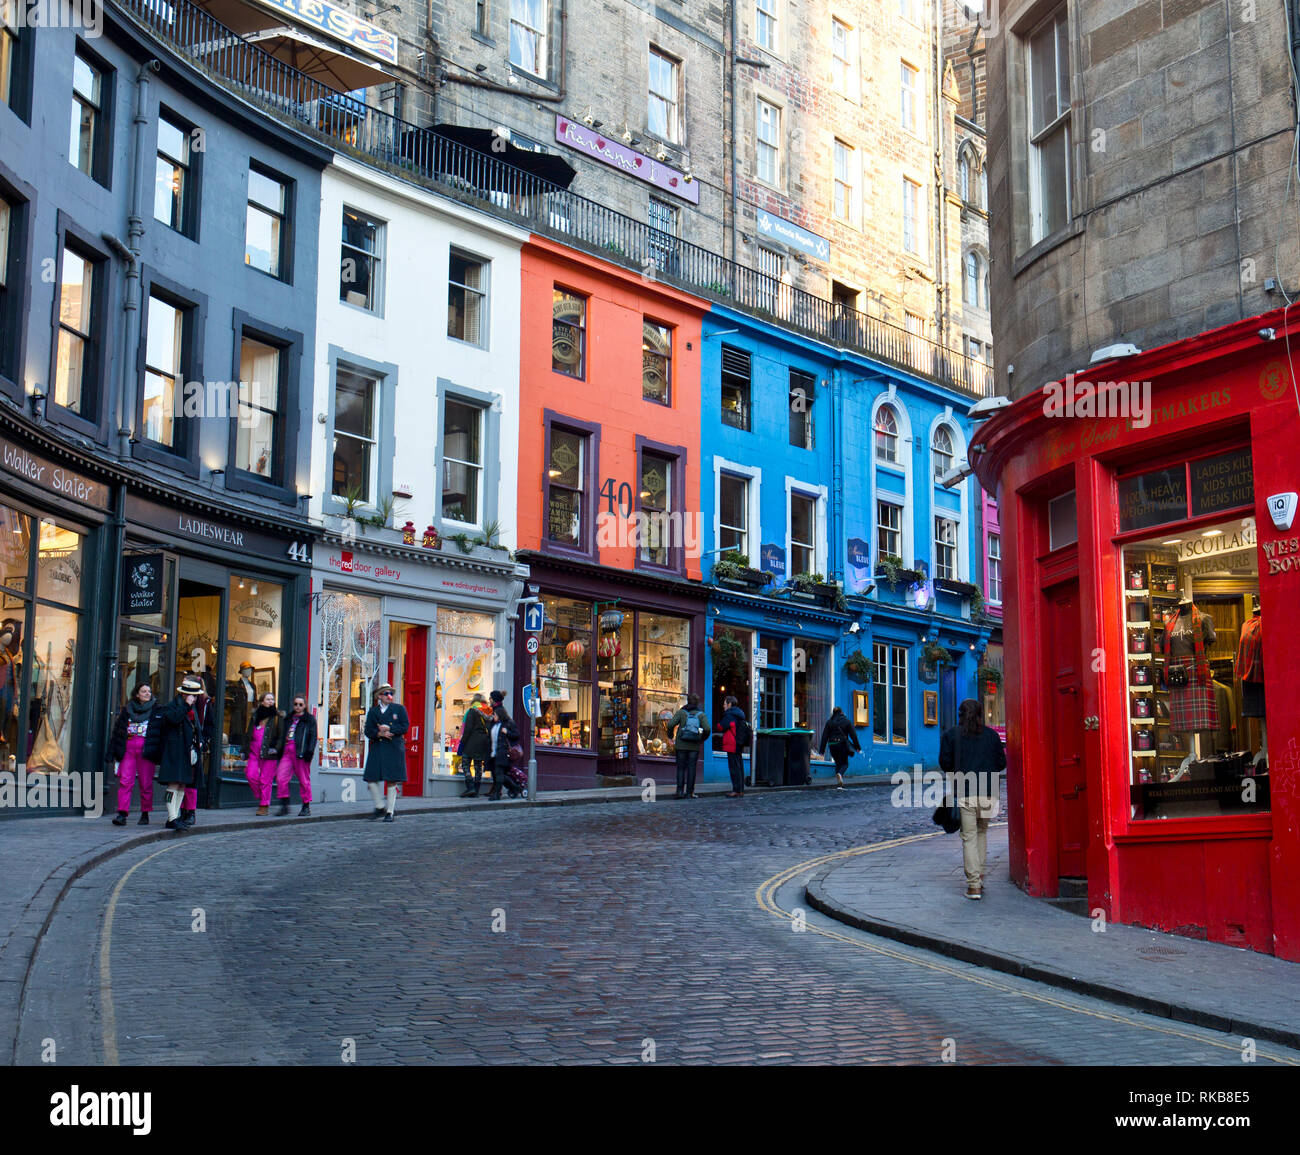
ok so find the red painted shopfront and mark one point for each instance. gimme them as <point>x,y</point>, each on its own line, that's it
<point>1151,751</point>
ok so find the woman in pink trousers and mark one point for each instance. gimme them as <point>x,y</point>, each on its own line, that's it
<point>295,747</point>
<point>259,750</point>
<point>127,749</point>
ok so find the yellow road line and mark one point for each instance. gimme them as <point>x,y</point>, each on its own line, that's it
<point>105,951</point>
<point>765,896</point>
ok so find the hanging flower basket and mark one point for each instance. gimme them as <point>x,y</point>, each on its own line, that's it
<point>858,667</point>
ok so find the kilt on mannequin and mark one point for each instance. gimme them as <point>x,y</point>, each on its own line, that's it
<point>1192,707</point>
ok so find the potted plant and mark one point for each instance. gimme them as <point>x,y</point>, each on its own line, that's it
<point>935,653</point>
<point>989,676</point>
<point>729,658</point>
<point>890,567</point>
<point>733,569</point>
<point>858,667</point>
<point>812,587</point>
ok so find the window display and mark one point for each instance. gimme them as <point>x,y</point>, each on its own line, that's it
<point>812,685</point>
<point>614,670</point>
<point>564,663</point>
<point>1194,677</point>
<point>663,675</point>
<point>466,647</point>
<point>252,658</point>
<point>53,671</point>
<point>730,650</point>
<point>349,660</point>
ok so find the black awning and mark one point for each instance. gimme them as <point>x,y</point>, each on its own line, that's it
<point>543,165</point>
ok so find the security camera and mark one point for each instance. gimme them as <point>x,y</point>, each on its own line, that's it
<point>854,628</point>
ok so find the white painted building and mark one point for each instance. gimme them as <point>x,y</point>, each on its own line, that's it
<point>417,418</point>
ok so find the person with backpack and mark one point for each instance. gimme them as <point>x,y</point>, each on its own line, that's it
<point>504,735</point>
<point>842,738</point>
<point>475,746</point>
<point>126,748</point>
<point>295,745</point>
<point>174,740</point>
<point>689,728</point>
<point>972,759</point>
<point>736,737</point>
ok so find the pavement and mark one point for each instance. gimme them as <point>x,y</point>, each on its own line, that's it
<point>909,890</point>
<point>913,891</point>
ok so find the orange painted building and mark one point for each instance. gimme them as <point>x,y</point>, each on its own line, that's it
<point>609,512</point>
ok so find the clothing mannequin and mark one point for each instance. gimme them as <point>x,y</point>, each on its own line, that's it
<point>11,668</point>
<point>241,698</point>
<point>1250,669</point>
<point>1193,707</point>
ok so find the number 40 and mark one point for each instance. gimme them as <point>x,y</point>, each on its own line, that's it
<point>624,497</point>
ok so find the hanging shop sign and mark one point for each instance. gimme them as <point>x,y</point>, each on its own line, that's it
<point>629,162</point>
<point>49,475</point>
<point>772,560</point>
<point>1154,498</point>
<point>340,24</point>
<point>858,560</point>
<point>142,584</point>
<point>1223,482</point>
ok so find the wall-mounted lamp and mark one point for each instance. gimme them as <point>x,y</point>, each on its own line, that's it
<point>38,403</point>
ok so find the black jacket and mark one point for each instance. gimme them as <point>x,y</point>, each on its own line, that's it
<point>475,736</point>
<point>838,731</point>
<point>980,755</point>
<point>270,733</point>
<point>508,733</point>
<point>117,741</point>
<point>304,736</point>
<point>179,733</point>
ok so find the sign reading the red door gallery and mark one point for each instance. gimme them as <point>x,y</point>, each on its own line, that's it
<point>631,163</point>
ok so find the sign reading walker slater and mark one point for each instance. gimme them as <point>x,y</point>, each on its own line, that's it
<point>47,474</point>
<point>1153,498</point>
<point>142,584</point>
<point>1223,482</point>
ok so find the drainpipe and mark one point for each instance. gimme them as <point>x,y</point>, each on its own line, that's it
<point>940,215</point>
<point>731,125</point>
<point>130,255</point>
<point>837,475</point>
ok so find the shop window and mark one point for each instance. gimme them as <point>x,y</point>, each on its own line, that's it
<point>990,689</point>
<point>467,286</point>
<point>569,333</point>
<point>889,694</point>
<point>811,666</point>
<point>656,362</point>
<point>361,261</point>
<point>730,652</point>
<point>615,666</point>
<point>803,534</point>
<point>735,387</point>
<point>771,699</point>
<point>175,188</point>
<point>733,513</point>
<point>567,484</point>
<point>1196,723</point>
<point>462,462</point>
<point>465,653</point>
<point>663,677</point>
<point>259,434</point>
<point>78,368</point>
<point>349,625</point>
<point>564,665</point>
<point>266,223</point>
<point>801,407</point>
<point>253,640</point>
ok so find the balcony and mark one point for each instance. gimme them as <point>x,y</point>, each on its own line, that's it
<point>426,157</point>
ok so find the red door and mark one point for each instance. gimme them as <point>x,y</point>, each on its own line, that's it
<point>1065,673</point>
<point>413,666</point>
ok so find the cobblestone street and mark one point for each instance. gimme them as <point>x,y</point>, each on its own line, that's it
<point>623,933</point>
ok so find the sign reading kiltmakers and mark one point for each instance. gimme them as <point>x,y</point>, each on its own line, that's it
<point>1223,482</point>
<point>142,584</point>
<point>49,475</point>
<point>217,533</point>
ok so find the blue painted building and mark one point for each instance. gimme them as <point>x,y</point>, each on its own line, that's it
<point>821,464</point>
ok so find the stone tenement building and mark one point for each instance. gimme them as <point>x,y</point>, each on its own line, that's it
<point>820,140</point>
<point>1143,193</point>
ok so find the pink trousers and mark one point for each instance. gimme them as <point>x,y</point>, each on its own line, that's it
<point>133,767</point>
<point>260,773</point>
<point>291,764</point>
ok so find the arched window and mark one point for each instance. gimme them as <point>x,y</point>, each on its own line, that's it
<point>886,434</point>
<point>963,177</point>
<point>970,293</point>
<point>942,449</point>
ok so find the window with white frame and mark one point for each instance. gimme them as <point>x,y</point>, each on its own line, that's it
<point>733,513</point>
<point>1047,66</point>
<point>889,529</point>
<point>467,283</point>
<point>462,461</point>
<point>889,694</point>
<point>842,58</point>
<point>665,85</point>
<point>942,450</point>
<point>765,23</point>
<point>973,282</point>
<point>907,9</point>
<point>353,474</point>
<point>945,548</point>
<point>908,90</point>
<point>528,24</point>
<point>993,586</point>
<point>735,387</point>
<point>767,143</point>
<point>887,434</point>
<point>845,202</point>
<point>662,241</point>
<point>912,218</point>
<point>802,386</point>
<point>978,350</point>
<point>803,533</point>
<point>771,268</point>
<point>361,261</point>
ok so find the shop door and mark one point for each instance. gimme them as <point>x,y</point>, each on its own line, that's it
<point>412,691</point>
<point>199,642</point>
<point>1065,680</point>
<point>947,698</point>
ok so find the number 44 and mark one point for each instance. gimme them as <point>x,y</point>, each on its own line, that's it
<point>300,551</point>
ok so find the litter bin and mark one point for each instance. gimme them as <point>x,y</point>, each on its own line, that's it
<point>798,757</point>
<point>768,763</point>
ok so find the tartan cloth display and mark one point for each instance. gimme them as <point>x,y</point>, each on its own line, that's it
<point>1193,706</point>
<point>1250,651</point>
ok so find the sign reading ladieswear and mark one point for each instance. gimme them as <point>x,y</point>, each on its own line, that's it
<point>407,573</point>
<point>189,525</point>
<point>635,164</point>
<point>340,24</point>
<point>774,228</point>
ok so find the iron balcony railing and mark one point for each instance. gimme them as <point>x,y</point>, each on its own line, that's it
<point>466,174</point>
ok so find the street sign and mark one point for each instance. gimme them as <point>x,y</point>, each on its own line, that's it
<point>529,696</point>
<point>531,645</point>
<point>760,658</point>
<point>534,616</point>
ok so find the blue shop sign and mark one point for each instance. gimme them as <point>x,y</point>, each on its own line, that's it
<point>776,228</point>
<point>859,565</point>
<point>772,560</point>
